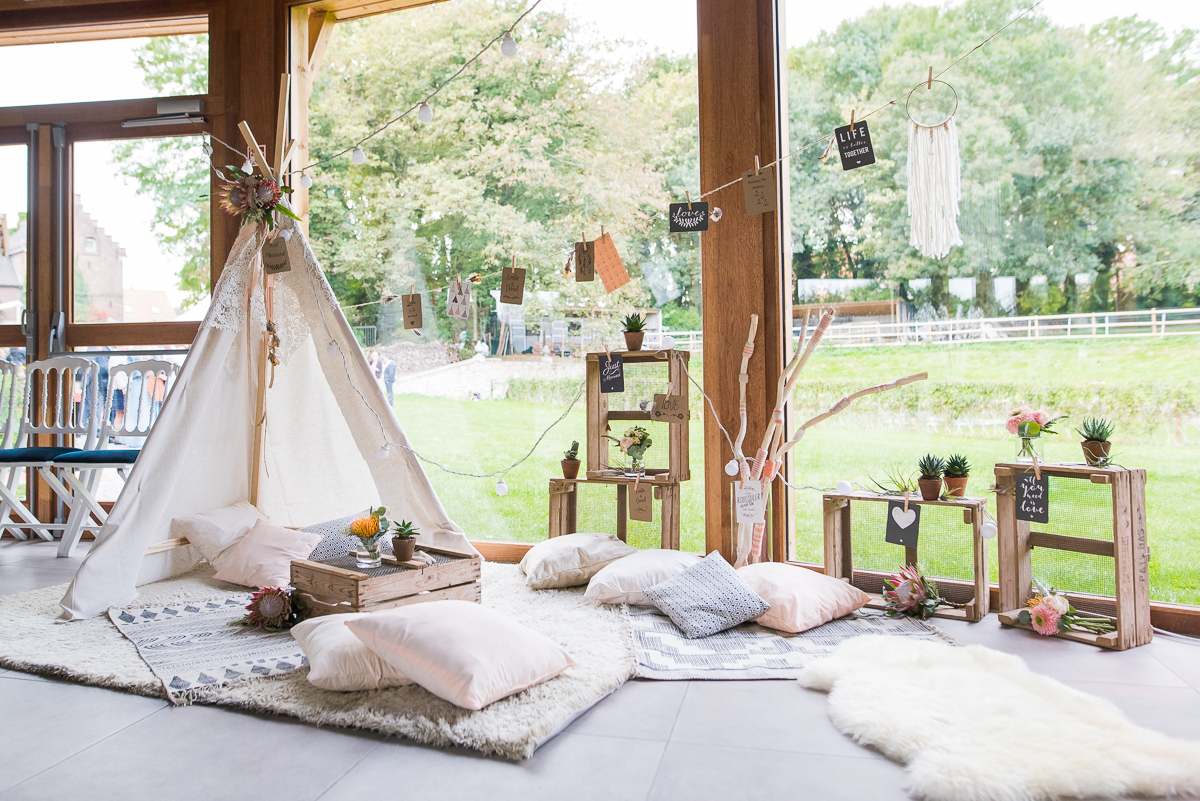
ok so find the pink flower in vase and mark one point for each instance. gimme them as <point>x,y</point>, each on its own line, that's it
<point>625,443</point>
<point>1041,418</point>
<point>1044,619</point>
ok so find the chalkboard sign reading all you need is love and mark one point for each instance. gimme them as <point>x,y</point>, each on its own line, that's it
<point>1033,498</point>
<point>854,145</point>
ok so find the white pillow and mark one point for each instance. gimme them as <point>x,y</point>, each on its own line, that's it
<point>460,651</point>
<point>263,558</point>
<point>622,581</point>
<point>214,532</point>
<point>570,560</point>
<point>338,660</point>
<point>800,598</point>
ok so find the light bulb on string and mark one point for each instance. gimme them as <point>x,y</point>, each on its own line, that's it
<point>987,530</point>
<point>247,166</point>
<point>716,215</point>
<point>425,112</point>
<point>501,487</point>
<point>208,151</point>
<point>509,46</point>
<point>668,342</point>
<point>331,348</point>
<point>305,179</point>
<point>383,452</point>
<point>731,468</point>
<point>844,487</point>
<point>358,156</point>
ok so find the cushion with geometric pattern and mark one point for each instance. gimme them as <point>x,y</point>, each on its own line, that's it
<point>707,598</point>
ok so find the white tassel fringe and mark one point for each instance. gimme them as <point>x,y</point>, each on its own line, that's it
<point>934,188</point>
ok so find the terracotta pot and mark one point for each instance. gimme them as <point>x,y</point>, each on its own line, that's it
<point>570,468</point>
<point>956,486</point>
<point>931,488</point>
<point>633,340</point>
<point>1094,453</point>
<point>403,547</point>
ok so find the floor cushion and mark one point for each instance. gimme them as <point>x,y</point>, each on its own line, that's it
<point>263,558</point>
<point>706,598</point>
<point>570,560</point>
<point>214,532</point>
<point>623,581</point>
<point>338,660</point>
<point>460,651</point>
<point>800,599</point>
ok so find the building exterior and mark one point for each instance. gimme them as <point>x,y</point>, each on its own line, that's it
<point>12,272</point>
<point>99,272</point>
<point>147,306</point>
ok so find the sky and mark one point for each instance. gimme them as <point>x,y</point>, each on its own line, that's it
<point>666,25</point>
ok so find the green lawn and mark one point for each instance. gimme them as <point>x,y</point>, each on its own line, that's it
<point>480,437</point>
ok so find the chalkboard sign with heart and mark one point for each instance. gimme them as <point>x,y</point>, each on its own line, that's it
<point>902,526</point>
<point>688,217</point>
<point>612,373</point>
<point>854,145</point>
<point>1033,498</point>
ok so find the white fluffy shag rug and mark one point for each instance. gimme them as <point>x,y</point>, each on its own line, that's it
<point>975,724</point>
<point>94,652</point>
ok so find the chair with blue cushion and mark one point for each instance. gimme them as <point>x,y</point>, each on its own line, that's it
<point>58,394</point>
<point>136,393</point>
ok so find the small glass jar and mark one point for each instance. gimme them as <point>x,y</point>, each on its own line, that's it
<point>369,556</point>
<point>1029,447</point>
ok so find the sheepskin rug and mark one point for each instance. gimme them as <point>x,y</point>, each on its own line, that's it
<point>971,723</point>
<point>599,637</point>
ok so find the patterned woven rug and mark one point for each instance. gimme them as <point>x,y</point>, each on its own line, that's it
<point>750,651</point>
<point>192,646</point>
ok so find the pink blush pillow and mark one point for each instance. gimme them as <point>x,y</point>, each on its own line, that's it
<point>800,599</point>
<point>263,558</point>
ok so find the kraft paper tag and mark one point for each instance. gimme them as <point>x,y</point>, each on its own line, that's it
<point>748,501</point>
<point>412,311</point>
<point>458,299</point>
<point>275,256</point>
<point>760,190</point>
<point>512,286</point>
<point>585,261</point>
<point>669,408</point>
<point>608,264</point>
<point>641,502</point>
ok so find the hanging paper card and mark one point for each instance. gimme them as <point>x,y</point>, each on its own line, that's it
<point>902,526</point>
<point>1033,498</point>
<point>612,373</point>
<point>608,264</point>
<point>760,190</point>
<point>688,217</point>
<point>641,502</point>
<point>412,311</point>
<point>275,256</point>
<point>585,261</point>
<point>854,146</point>
<point>669,408</point>
<point>458,299</point>
<point>512,285</point>
<point>748,501</point>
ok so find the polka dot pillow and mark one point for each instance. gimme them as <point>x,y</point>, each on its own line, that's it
<point>707,598</point>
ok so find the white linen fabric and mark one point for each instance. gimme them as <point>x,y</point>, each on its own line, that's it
<point>263,558</point>
<point>326,419</point>
<point>707,598</point>
<point>217,531</point>
<point>462,652</point>
<point>623,581</point>
<point>570,560</point>
<point>800,599</point>
<point>339,661</point>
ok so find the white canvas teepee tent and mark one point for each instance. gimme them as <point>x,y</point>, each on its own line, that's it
<point>325,423</point>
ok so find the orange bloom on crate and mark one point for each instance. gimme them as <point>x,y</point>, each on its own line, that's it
<point>365,526</point>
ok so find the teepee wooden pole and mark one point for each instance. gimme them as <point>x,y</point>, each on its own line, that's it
<point>260,406</point>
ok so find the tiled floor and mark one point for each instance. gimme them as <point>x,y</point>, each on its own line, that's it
<point>650,740</point>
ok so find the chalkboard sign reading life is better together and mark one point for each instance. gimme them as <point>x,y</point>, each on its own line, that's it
<point>854,145</point>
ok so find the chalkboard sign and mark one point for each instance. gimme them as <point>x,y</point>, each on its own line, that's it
<point>275,256</point>
<point>902,526</point>
<point>612,373</point>
<point>854,146</point>
<point>688,217</point>
<point>1033,498</point>
<point>585,261</point>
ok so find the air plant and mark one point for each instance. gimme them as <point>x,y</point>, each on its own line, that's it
<point>897,481</point>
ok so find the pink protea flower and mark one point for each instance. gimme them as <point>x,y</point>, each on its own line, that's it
<point>1045,619</point>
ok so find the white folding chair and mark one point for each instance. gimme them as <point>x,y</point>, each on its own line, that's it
<point>144,386</point>
<point>57,393</point>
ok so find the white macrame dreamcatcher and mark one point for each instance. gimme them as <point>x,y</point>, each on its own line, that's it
<point>934,169</point>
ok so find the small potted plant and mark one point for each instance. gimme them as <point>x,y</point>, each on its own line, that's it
<point>570,460</point>
<point>634,327</point>
<point>1096,432</point>
<point>930,480</point>
<point>404,541</point>
<point>957,471</point>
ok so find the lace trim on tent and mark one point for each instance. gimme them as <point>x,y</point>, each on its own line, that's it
<point>228,308</point>
<point>290,323</point>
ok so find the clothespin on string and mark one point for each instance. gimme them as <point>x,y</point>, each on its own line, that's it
<point>906,503</point>
<point>929,83</point>
<point>756,166</point>
<point>689,199</point>
<point>852,120</point>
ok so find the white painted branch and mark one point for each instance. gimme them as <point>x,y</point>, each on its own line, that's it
<point>841,405</point>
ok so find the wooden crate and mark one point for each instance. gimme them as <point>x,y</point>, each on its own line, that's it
<point>601,420</point>
<point>564,505</point>
<point>839,562</point>
<point>1129,608</point>
<point>328,589</point>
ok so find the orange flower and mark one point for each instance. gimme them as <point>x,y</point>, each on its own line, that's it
<point>365,526</point>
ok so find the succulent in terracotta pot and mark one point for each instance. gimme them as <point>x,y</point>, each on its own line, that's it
<point>634,326</point>
<point>956,473</point>
<point>930,481</point>
<point>404,541</point>
<point>570,461</point>
<point>1096,432</point>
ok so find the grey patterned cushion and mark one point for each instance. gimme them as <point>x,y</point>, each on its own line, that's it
<point>707,598</point>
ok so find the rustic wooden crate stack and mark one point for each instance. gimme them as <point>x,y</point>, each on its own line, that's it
<point>601,420</point>
<point>839,562</point>
<point>1128,548</point>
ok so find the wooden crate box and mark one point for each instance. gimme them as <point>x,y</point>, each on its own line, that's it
<point>1124,510</point>
<point>839,561</point>
<point>564,505</point>
<point>336,586</point>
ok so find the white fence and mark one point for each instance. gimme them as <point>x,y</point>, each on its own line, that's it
<point>1102,325</point>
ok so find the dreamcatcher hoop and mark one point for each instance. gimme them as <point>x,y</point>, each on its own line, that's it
<point>924,84</point>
